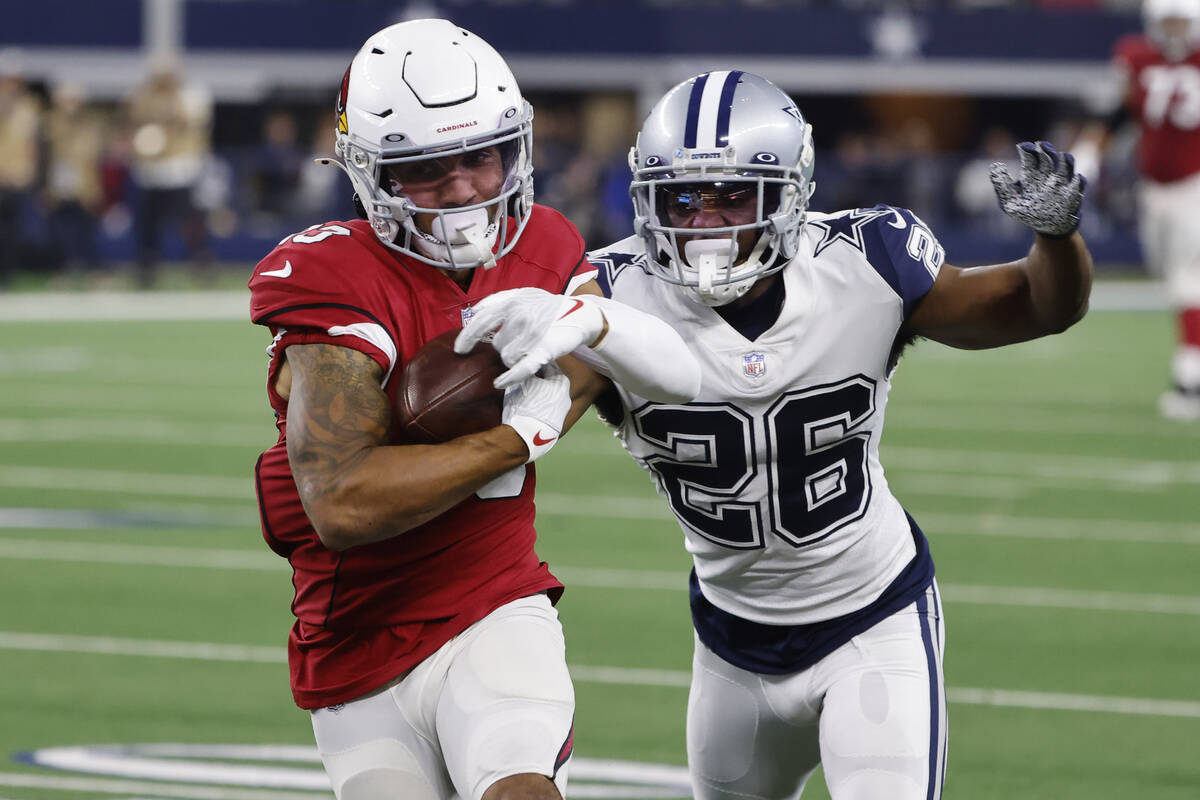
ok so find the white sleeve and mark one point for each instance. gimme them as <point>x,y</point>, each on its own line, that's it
<point>643,354</point>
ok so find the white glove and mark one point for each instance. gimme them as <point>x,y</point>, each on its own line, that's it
<point>535,329</point>
<point>536,409</point>
<point>1048,193</point>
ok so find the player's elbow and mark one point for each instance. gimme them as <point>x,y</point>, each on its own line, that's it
<point>677,378</point>
<point>341,519</point>
<point>337,526</point>
<point>1075,316</point>
<point>684,384</point>
<point>1066,317</point>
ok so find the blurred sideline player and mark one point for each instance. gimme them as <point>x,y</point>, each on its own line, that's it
<point>1162,74</point>
<point>426,645</point>
<point>819,634</point>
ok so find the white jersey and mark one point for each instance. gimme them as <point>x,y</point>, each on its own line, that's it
<point>773,470</point>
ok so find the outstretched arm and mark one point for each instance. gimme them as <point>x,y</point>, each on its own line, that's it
<point>1046,292</point>
<point>637,350</point>
<point>355,487</point>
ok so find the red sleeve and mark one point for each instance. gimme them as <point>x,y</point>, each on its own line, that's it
<point>324,291</point>
<point>557,245</point>
<point>584,273</point>
<point>1124,51</point>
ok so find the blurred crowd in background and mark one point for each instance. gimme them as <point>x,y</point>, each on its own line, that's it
<point>90,190</point>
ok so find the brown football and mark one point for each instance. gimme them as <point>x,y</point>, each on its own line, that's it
<point>444,395</point>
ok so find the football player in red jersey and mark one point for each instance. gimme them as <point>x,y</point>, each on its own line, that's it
<point>426,644</point>
<point>1162,69</point>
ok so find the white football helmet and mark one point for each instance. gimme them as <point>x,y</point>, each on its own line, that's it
<point>1175,46</point>
<point>427,89</point>
<point>726,132</point>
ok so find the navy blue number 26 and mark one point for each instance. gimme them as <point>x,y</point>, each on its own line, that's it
<point>815,460</point>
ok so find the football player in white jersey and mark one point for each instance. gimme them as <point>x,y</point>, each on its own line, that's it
<point>819,632</point>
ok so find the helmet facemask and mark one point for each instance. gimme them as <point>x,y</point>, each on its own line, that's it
<point>458,238</point>
<point>717,265</point>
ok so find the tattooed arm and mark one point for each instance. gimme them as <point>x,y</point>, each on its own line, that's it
<point>355,487</point>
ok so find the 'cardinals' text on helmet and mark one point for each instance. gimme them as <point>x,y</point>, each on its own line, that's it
<point>427,89</point>
<point>1174,25</point>
<point>717,136</point>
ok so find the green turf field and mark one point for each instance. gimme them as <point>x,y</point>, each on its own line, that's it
<point>138,604</point>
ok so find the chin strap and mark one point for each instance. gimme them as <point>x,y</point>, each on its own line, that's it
<point>471,227</point>
<point>458,232</point>
<point>707,256</point>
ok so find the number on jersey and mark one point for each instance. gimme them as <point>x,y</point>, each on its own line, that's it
<point>815,455</point>
<point>317,233</point>
<point>1172,95</point>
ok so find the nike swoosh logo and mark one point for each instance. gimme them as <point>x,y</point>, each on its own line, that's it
<point>578,305</point>
<point>899,222</point>
<point>539,441</point>
<point>283,272</point>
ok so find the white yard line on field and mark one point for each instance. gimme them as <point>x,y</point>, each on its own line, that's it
<point>141,483</point>
<point>909,417</point>
<point>141,790</point>
<point>141,555</point>
<point>1044,466</point>
<point>1074,702</point>
<point>1046,469</point>
<point>235,304</point>
<point>124,306</point>
<point>592,577</point>
<point>141,431</point>
<point>646,509</point>
<point>1084,530</point>
<point>108,398</point>
<point>927,416</point>
<point>205,651</point>
<point>953,593</point>
<point>143,648</point>
<point>924,473</point>
<point>84,519</point>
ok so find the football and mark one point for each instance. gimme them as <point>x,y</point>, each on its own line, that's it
<point>444,395</point>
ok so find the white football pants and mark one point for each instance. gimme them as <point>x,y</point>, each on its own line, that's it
<point>873,712</point>
<point>1171,237</point>
<point>494,701</point>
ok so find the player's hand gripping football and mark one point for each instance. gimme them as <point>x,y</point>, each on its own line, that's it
<point>536,408</point>
<point>535,328</point>
<point>1048,193</point>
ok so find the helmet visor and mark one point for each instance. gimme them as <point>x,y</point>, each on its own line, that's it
<point>415,175</point>
<point>738,202</point>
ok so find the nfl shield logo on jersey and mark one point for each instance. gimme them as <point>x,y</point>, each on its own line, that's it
<point>467,313</point>
<point>754,365</point>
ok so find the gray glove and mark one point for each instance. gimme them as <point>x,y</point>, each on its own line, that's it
<point>1048,194</point>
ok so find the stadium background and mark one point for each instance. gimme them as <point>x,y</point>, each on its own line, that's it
<point>143,621</point>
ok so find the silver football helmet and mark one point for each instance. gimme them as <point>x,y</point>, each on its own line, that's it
<point>1176,39</point>
<point>714,139</point>
<point>427,89</point>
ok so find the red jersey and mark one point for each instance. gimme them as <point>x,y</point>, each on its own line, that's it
<point>1165,97</point>
<point>367,614</point>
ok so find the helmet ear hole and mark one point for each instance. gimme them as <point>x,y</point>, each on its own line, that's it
<point>358,207</point>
